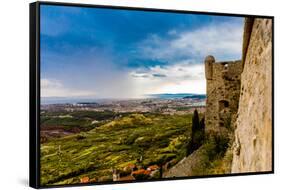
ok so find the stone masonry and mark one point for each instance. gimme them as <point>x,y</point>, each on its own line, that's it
<point>239,94</point>
<point>253,135</point>
<point>223,89</point>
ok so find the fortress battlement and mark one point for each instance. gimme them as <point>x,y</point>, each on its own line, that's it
<point>223,90</point>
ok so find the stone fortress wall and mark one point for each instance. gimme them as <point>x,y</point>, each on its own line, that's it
<point>239,94</point>
<point>223,89</point>
<point>252,150</point>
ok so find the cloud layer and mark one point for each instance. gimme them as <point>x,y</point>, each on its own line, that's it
<point>85,54</point>
<point>54,88</point>
<point>220,40</point>
<point>180,77</point>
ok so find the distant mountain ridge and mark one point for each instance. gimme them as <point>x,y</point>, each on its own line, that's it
<point>177,96</point>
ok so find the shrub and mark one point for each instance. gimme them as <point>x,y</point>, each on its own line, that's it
<point>130,139</point>
<point>80,137</point>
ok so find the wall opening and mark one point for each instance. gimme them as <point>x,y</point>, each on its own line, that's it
<point>223,104</point>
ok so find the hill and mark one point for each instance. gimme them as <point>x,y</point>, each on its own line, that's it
<point>155,138</point>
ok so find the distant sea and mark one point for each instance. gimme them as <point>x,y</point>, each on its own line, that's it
<point>61,100</point>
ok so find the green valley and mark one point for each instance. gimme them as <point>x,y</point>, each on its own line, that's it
<point>141,139</point>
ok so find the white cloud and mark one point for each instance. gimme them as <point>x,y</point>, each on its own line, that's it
<point>185,51</point>
<point>181,77</point>
<point>49,84</point>
<point>54,88</point>
<point>223,40</point>
<point>98,74</point>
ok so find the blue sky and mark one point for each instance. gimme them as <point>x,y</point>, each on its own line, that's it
<point>105,53</point>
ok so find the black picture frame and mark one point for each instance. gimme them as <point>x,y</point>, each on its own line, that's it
<point>34,90</point>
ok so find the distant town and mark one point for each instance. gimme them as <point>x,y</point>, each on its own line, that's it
<point>165,104</point>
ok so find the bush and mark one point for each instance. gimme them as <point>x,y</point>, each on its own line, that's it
<point>80,137</point>
<point>221,143</point>
<point>130,139</point>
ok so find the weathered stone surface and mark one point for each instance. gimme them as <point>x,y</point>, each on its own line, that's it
<point>223,89</point>
<point>240,94</point>
<point>209,60</point>
<point>253,136</point>
<point>248,25</point>
<point>189,165</point>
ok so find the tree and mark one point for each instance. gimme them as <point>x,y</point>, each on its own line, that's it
<point>202,128</point>
<point>195,123</point>
<point>197,133</point>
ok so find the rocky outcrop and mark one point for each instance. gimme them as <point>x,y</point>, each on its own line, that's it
<point>253,135</point>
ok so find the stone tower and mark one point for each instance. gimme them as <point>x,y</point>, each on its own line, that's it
<point>223,89</point>
<point>209,60</point>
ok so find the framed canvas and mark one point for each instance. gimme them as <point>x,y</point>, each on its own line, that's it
<point>121,94</point>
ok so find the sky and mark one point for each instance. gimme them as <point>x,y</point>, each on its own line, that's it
<point>106,53</point>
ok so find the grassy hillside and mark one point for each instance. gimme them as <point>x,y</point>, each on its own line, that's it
<point>154,137</point>
<point>79,119</point>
